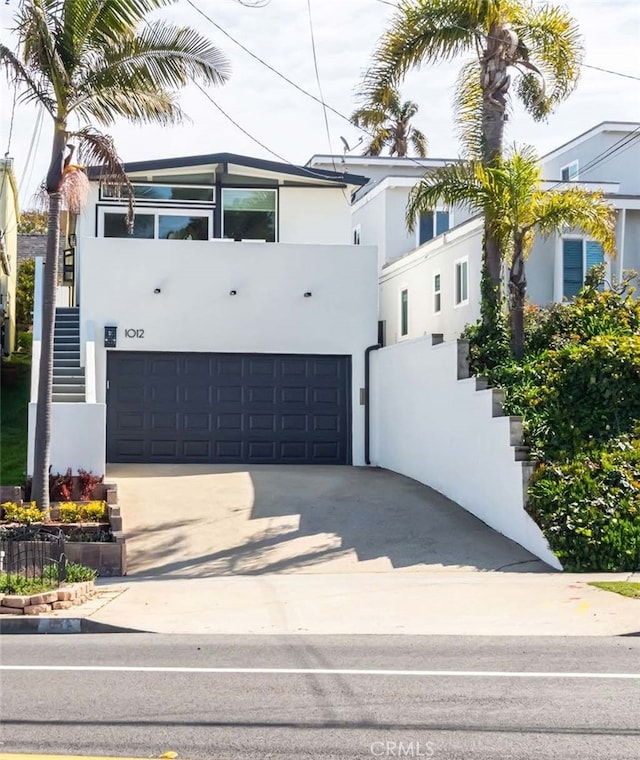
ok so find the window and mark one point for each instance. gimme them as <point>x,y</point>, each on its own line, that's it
<point>578,256</point>
<point>404,313</point>
<point>356,235</point>
<point>163,193</point>
<point>156,224</point>
<point>249,214</point>
<point>569,172</point>
<point>462,282</point>
<point>431,224</point>
<point>437,294</point>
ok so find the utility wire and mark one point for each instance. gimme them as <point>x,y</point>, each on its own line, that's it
<point>315,65</point>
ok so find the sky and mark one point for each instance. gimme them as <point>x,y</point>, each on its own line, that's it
<point>292,125</point>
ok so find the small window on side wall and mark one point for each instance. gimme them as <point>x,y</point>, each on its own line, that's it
<point>356,235</point>
<point>462,282</point>
<point>404,313</point>
<point>437,293</point>
<point>569,173</point>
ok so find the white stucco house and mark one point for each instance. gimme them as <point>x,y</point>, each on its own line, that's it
<point>230,327</point>
<point>429,281</point>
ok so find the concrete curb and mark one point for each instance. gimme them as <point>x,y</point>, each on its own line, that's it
<point>25,625</point>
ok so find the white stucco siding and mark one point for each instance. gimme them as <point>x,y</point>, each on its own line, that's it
<point>540,272</point>
<point>631,250</point>
<point>441,432</point>
<point>314,215</point>
<point>398,240</point>
<point>369,216</point>
<point>416,272</point>
<point>618,166</point>
<point>77,437</point>
<point>269,314</point>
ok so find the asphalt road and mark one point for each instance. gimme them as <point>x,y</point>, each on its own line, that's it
<point>211,697</point>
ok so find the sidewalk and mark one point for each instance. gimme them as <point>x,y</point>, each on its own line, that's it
<point>488,604</point>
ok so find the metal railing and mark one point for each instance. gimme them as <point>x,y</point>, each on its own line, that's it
<point>30,553</point>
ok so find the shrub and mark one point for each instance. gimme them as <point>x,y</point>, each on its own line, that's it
<point>23,514</point>
<point>589,507</point>
<point>87,483</point>
<point>578,392</point>
<point>92,511</point>
<point>18,584</point>
<point>79,573</point>
<point>61,486</point>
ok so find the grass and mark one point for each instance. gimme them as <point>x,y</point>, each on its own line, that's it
<point>14,400</point>
<point>626,588</point>
<point>16,584</point>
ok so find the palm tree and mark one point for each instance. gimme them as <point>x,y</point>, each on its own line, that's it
<point>511,192</point>
<point>388,121</point>
<point>538,45</point>
<point>94,61</point>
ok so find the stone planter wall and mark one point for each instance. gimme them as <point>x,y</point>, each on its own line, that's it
<point>47,601</point>
<point>109,559</point>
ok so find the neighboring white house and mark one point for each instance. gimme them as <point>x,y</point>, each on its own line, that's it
<point>429,280</point>
<point>230,327</point>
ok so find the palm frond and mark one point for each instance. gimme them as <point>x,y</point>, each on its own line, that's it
<point>136,104</point>
<point>32,90</point>
<point>38,31</point>
<point>369,117</point>
<point>98,150</point>
<point>167,55</point>
<point>467,108</point>
<point>377,143</point>
<point>551,39</point>
<point>422,31</point>
<point>576,208</point>
<point>453,185</point>
<point>419,142</point>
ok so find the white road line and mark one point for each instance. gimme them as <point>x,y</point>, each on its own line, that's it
<point>315,671</point>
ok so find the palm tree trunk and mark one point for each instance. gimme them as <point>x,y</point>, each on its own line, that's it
<point>495,85</point>
<point>517,294</point>
<point>42,447</point>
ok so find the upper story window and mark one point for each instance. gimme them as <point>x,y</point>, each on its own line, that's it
<point>160,194</point>
<point>462,282</point>
<point>578,256</point>
<point>157,224</point>
<point>249,214</point>
<point>404,313</point>
<point>431,224</point>
<point>569,173</point>
<point>437,293</point>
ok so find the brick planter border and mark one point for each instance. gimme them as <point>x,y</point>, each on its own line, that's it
<point>47,601</point>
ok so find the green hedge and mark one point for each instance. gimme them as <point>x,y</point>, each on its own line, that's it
<point>578,392</point>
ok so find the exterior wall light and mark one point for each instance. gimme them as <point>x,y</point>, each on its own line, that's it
<point>308,294</point>
<point>157,290</point>
<point>233,292</point>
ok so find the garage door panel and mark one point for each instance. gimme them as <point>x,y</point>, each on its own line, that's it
<point>232,408</point>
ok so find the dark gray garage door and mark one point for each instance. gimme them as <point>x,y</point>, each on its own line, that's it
<point>234,408</point>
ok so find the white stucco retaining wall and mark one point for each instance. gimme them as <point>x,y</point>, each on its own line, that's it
<point>440,431</point>
<point>77,437</point>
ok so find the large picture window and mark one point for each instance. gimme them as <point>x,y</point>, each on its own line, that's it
<point>249,214</point>
<point>158,225</point>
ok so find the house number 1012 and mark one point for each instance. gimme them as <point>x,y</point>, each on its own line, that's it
<point>131,332</point>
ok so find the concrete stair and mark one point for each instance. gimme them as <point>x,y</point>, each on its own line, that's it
<point>68,375</point>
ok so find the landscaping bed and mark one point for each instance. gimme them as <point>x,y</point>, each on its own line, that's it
<point>577,390</point>
<point>91,529</point>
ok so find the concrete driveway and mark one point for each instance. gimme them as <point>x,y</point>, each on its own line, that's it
<point>193,521</point>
